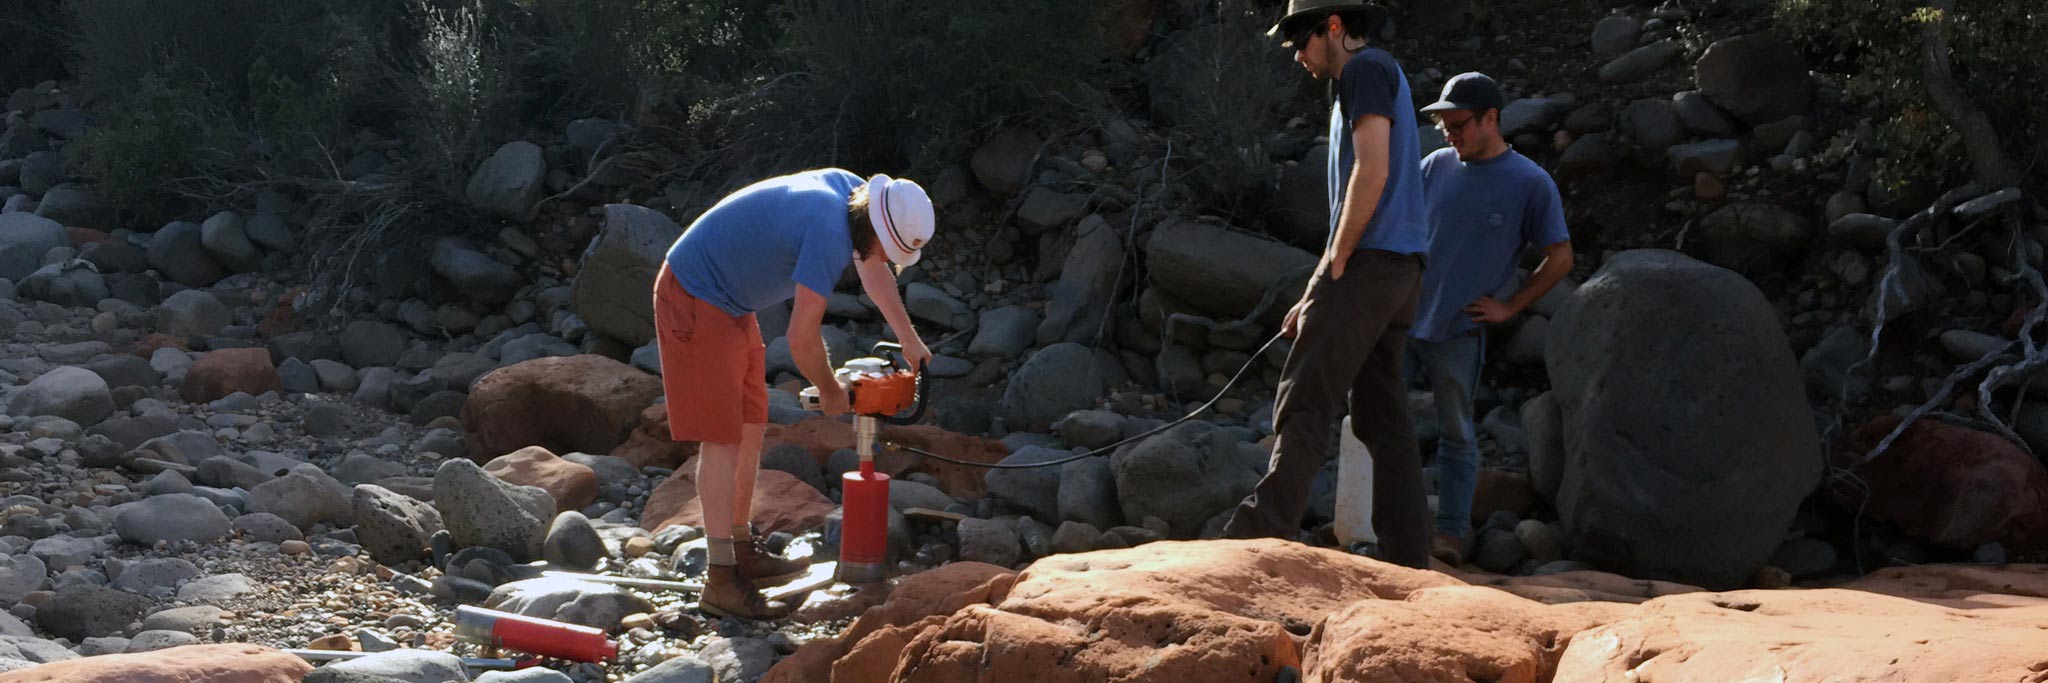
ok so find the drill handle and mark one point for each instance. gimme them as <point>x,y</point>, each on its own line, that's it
<point>895,356</point>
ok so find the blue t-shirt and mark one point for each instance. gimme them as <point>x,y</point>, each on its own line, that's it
<point>754,247</point>
<point>1481,213</point>
<point>1372,83</point>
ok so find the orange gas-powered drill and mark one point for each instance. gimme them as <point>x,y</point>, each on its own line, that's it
<point>879,389</point>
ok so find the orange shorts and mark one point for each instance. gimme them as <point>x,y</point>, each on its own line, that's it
<point>713,367</point>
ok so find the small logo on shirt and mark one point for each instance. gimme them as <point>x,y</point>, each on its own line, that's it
<point>1496,219</point>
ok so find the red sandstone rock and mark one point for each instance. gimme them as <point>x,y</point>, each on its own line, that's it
<point>782,502</point>
<point>573,485</point>
<point>1948,485</point>
<point>587,403</point>
<point>188,664</point>
<point>220,373</point>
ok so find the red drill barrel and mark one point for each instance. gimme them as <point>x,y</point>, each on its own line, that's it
<point>528,634</point>
<point>864,525</point>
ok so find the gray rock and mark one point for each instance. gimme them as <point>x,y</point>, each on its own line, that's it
<point>1034,490</point>
<point>1003,164</point>
<point>363,468</point>
<point>1498,551</point>
<point>270,231</point>
<point>194,620</point>
<point>1005,332</point>
<point>1615,35</point>
<point>681,669</point>
<point>570,600</point>
<point>263,527</point>
<point>612,283</point>
<point>63,552</point>
<point>1526,346</point>
<point>1742,447</point>
<point>1825,368</point>
<point>1701,116</point>
<point>1186,475</point>
<point>739,659</point>
<point>933,305</point>
<point>226,238</point>
<point>1046,209</point>
<point>335,377</point>
<point>533,675</point>
<point>151,641</point>
<point>76,205</point>
<point>1640,63</point>
<point>216,588</point>
<point>572,543</point>
<point>1862,230</point>
<point>410,666</point>
<point>481,510</point>
<point>226,472</point>
<point>1076,537</point>
<point>305,497</point>
<point>1534,115</point>
<point>324,420</point>
<point>1090,428</point>
<point>183,447</point>
<point>68,122</point>
<point>1082,296</point>
<point>1717,157</point>
<point>1221,271</point>
<point>174,517</point>
<point>159,577</point>
<point>1057,380</point>
<point>71,283</point>
<point>590,134</point>
<point>78,612</point>
<point>474,273</point>
<point>178,252</point>
<point>125,370</point>
<point>905,494</point>
<point>21,575</point>
<point>366,344</point>
<point>296,377</point>
<point>1760,78</point>
<point>41,171</point>
<point>1653,124</point>
<point>1087,494</point>
<point>1543,541</point>
<point>393,527</point>
<point>509,183</point>
<point>1755,237</point>
<point>24,238</point>
<point>115,256</point>
<point>69,392</point>
<point>991,541</point>
<point>1590,155</point>
<point>1805,558</point>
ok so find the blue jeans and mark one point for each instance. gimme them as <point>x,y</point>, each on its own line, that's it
<point>1452,368</point>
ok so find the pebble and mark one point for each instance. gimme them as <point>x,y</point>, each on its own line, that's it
<point>294,547</point>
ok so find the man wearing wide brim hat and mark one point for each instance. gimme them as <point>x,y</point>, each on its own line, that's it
<point>777,239</point>
<point>1350,328</point>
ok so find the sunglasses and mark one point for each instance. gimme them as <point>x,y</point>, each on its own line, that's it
<point>1298,40</point>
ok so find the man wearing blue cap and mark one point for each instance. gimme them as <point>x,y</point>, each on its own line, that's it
<point>1351,327</point>
<point>1486,201</point>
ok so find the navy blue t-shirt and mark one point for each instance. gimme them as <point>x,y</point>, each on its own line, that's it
<point>1483,213</point>
<point>1372,83</point>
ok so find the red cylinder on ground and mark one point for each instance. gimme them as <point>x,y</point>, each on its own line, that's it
<point>864,524</point>
<point>542,637</point>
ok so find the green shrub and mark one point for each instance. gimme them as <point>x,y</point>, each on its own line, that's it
<point>1996,60</point>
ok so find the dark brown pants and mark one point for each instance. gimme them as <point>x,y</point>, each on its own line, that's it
<point>1351,340</point>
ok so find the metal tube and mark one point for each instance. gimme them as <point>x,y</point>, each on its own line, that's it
<point>479,663</point>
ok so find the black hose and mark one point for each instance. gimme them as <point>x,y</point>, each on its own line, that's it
<point>1105,450</point>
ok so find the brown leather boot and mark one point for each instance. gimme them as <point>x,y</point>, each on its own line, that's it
<point>763,567</point>
<point>728,594</point>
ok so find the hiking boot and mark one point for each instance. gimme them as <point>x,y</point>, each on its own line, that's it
<point>728,594</point>
<point>1448,549</point>
<point>763,567</point>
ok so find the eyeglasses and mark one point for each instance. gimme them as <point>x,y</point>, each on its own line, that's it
<point>1449,126</point>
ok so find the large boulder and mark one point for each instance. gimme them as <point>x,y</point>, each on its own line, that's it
<point>782,502</point>
<point>179,253</point>
<point>615,281</point>
<point>394,527</point>
<point>1674,382</point>
<point>474,273</point>
<point>573,486</point>
<point>1300,212</point>
<point>227,238</point>
<point>566,404</point>
<point>481,510</point>
<point>82,610</point>
<point>509,183</point>
<point>1081,297</point>
<point>1754,238</point>
<point>174,517</point>
<point>1951,486</point>
<point>72,393</point>
<point>76,205</point>
<point>226,371</point>
<point>1216,269</point>
<point>1186,476</point>
<point>236,663</point>
<point>24,238</point>
<point>305,496</point>
<point>1760,78</point>
<point>1057,380</point>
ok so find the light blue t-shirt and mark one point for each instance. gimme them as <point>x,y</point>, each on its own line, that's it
<point>1482,214</point>
<point>754,247</point>
<point>1372,83</point>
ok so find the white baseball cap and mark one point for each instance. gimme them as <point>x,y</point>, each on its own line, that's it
<point>902,215</point>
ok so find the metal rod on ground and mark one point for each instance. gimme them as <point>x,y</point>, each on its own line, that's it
<point>478,663</point>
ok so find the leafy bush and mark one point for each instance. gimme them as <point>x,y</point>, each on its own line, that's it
<point>1996,61</point>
